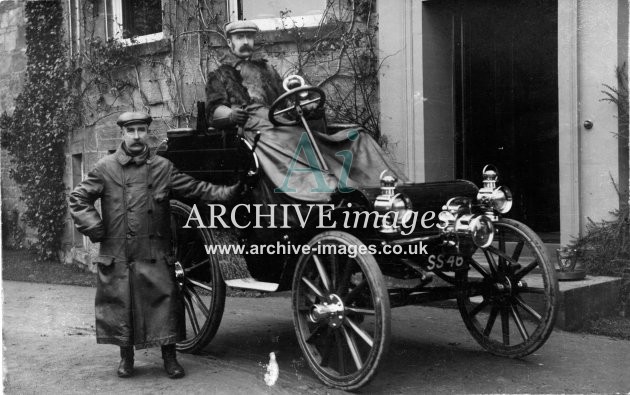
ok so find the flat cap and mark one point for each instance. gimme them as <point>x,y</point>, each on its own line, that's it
<point>133,117</point>
<point>241,27</point>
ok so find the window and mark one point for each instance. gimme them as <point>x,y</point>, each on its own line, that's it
<point>140,19</point>
<point>268,14</point>
<point>73,27</point>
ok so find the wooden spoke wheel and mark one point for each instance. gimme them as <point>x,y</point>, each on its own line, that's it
<point>508,297</point>
<point>199,278</point>
<point>341,311</point>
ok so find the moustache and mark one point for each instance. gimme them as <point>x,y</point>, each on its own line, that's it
<point>245,47</point>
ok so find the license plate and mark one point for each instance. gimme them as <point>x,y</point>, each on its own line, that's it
<point>443,262</point>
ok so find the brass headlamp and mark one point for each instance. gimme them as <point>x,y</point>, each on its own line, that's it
<point>490,196</point>
<point>394,208</point>
<point>457,219</point>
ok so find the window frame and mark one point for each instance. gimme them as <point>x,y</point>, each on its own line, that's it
<point>74,29</point>
<point>116,34</point>
<point>274,24</point>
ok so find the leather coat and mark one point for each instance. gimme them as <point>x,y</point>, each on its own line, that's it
<point>137,298</point>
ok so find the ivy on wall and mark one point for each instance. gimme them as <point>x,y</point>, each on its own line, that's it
<point>35,134</point>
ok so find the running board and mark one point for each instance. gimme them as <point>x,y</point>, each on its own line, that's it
<point>253,284</point>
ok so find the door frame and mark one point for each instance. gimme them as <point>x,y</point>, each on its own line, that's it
<point>568,121</point>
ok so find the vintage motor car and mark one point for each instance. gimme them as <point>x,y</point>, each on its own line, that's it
<point>495,268</point>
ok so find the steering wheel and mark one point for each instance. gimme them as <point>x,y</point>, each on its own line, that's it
<point>293,101</point>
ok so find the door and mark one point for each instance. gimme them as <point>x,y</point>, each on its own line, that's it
<point>507,104</point>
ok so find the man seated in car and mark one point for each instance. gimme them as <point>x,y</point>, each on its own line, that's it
<point>240,80</point>
<point>240,93</point>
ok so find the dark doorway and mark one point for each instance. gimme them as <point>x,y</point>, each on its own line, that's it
<point>507,101</point>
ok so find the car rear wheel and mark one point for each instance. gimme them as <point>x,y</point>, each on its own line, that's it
<point>199,278</point>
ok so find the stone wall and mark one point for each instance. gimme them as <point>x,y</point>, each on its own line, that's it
<point>12,52</point>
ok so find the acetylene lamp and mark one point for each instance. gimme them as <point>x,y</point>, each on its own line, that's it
<point>495,198</point>
<point>393,207</point>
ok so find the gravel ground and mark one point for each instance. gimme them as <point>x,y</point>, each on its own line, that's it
<point>51,348</point>
<point>21,265</point>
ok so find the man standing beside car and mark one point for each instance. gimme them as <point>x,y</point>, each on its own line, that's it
<point>138,302</point>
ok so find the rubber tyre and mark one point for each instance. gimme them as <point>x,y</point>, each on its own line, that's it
<point>520,243</point>
<point>202,286</point>
<point>359,282</point>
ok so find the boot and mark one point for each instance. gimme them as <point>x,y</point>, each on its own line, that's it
<point>125,368</point>
<point>172,367</point>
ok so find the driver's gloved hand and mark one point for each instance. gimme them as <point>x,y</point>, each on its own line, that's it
<point>226,117</point>
<point>239,116</point>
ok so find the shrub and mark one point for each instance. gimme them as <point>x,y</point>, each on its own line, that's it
<point>605,247</point>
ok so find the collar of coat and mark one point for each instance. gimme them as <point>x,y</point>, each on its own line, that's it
<point>124,157</point>
<point>232,60</point>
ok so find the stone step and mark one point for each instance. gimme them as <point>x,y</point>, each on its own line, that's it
<point>583,300</point>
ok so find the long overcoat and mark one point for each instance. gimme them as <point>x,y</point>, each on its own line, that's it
<point>137,299</point>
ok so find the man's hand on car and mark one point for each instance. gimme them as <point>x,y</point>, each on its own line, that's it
<point>239,116</point>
